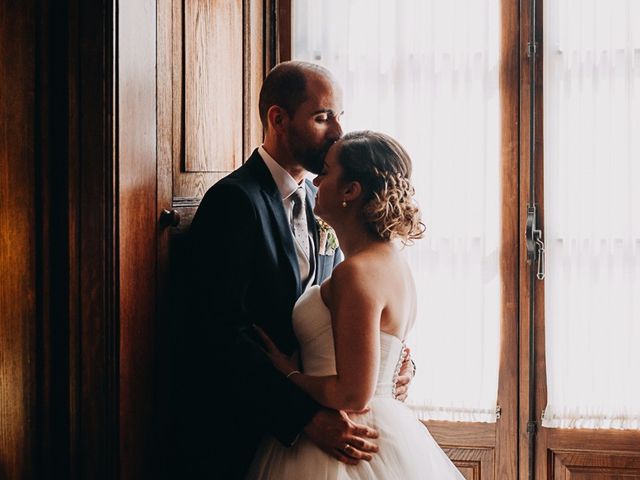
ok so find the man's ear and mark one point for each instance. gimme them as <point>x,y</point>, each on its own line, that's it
<point>352,191</point>
<point>277,117</point>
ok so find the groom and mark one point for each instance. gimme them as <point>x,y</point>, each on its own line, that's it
<point>248,268</point>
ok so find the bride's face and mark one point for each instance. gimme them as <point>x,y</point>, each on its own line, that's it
<point>329,182</point>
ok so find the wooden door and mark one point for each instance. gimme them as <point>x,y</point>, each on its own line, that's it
<point>211,60</point>
<point>557,453</point>
<point>189,74</point>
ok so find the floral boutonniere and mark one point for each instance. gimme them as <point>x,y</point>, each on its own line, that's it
<point>327,238</point>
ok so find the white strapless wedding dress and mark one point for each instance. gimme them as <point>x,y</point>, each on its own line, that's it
<point>406,449</point>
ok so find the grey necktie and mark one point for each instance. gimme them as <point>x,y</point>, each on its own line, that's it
<point>299,220</point>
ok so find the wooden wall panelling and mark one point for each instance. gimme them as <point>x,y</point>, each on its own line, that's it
<point>56,334</point>
<point>18,287</point>
<point>56,377</point>
<point>137,236</point>
<point>166,279</point>
<point>92,230</point>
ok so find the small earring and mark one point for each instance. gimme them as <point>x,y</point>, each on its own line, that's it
<point>344,204</point>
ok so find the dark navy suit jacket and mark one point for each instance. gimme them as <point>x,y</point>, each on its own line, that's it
<point>244,272</point>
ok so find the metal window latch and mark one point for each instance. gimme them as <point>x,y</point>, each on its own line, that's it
<point>532,49</point>
<point>535,244</point>
<point>498,412</point>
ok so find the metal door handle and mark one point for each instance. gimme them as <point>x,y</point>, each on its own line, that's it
<point>169,218</point>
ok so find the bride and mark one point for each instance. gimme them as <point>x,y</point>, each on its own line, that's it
<point>351,329</point>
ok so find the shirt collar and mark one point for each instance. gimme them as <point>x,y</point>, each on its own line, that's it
<point>284,181</point>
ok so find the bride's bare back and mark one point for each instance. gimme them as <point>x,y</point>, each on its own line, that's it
<point>371,291</point>
<point>384,273</point>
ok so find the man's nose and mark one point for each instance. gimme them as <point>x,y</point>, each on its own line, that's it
<point>336,129</point>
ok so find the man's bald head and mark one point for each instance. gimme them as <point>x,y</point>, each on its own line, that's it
<point>286,87</point>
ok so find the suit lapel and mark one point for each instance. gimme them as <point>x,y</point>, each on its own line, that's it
<point>273,200</point>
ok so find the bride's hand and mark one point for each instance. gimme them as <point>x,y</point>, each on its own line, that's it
<point>282,362</point>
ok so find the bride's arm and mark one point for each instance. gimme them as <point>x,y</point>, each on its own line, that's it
<point>355,312</point>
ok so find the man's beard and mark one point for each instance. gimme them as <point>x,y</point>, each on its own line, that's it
<point>310,158</point>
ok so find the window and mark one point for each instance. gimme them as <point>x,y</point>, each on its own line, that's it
<point>427,73</point>
<point>592,205</point>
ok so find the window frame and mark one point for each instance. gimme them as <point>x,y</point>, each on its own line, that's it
<point>485,450</point>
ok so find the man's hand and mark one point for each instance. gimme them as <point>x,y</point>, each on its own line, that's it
<point>406,374</point>
<point>286,364</point>
<point>335,433</point>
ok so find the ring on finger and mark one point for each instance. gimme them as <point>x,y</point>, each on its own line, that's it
<point>346,447</point>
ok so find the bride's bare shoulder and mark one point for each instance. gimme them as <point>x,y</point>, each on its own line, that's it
<point>362,272</point>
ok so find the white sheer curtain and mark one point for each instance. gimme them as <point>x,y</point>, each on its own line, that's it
<point>426,72</point>
<point>592,212</point>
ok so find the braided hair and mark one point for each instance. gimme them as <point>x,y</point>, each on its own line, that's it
<point>383,168</point>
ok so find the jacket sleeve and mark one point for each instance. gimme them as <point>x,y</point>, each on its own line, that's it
<point>223,238</point>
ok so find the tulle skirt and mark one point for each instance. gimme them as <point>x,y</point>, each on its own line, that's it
<point>407,451</point>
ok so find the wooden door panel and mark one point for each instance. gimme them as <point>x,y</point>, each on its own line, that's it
<point>213,85</point>
<point>201,152</point>
<point>597,465</point>
<point>473,463</point>
<point>471,447</point>
<point>211,65</point>
<point>588,454</point>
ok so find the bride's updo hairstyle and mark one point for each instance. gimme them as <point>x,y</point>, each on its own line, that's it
<point>383,169</point>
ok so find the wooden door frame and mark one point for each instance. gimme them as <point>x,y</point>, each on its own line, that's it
<point>107,424</point>
<point>77,357</point>
<point>93,242</point>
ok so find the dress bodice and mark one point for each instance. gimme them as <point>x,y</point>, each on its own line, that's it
<point>312,326</point>
<point>407,451</point>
